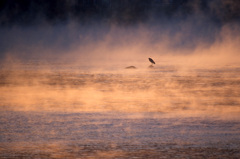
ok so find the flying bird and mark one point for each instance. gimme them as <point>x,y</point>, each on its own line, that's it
<point>151,60</point>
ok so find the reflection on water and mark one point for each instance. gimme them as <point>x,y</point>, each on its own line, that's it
<point>163,89</point>
<point>163,111</point>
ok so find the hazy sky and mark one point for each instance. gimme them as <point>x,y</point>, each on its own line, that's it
<point>39,28</point>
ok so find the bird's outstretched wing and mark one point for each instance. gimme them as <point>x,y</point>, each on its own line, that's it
<point>151,60</point>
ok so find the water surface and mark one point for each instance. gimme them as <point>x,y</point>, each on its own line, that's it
<point>69,111</point>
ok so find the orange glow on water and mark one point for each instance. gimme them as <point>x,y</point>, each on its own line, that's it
<point>65,91</point>
<point>163,89</point>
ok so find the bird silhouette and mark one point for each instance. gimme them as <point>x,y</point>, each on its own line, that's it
<point>151,60</point>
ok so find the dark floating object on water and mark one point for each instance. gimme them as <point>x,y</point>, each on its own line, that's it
<point>151,60</point>
<point>131,67</point>
<point>151,66</point>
